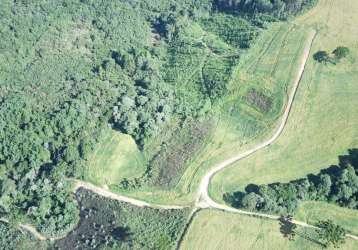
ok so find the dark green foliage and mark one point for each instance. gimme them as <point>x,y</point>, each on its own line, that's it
<point>237,32</point>
<point>340,52</point>
<point>287,228</point>
<point>338,184</point>
<point>216,73</point>
<point>321,56</point>
<point>65,67</point>
<point>279,8</point>
<point>70,68</point>
<point>116,225</point>
<point>13,239</point>
<point>331,234</point>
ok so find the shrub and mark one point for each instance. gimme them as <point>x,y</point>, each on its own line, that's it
<point>340,52</point>
<point>321,56</point>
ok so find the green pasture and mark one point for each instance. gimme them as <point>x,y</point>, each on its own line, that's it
<point>214,230</point>
<point>116,157</point>
<point>311,212</point>
<point>324,117</point>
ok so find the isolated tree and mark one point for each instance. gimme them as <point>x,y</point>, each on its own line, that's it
<point>287,228</point>
<point>321,56</point>
<point>340,52</point>
<point>331,234</point>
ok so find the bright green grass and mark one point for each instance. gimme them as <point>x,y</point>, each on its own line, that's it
<point>311,212</point>
<point>216,230</point>
<point>324,118</point>
<point>115,158</point>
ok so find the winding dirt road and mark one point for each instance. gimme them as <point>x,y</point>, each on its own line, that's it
<point>203,195</point>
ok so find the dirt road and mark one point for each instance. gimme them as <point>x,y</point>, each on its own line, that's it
<point>107,193</point>
<point>203,196</point>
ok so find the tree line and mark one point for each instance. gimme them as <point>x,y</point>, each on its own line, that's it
<point>337,185</point>
<point>279,8</point>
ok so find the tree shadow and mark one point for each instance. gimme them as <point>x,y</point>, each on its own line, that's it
<point>122,234</point>
<point>252,188</point>
<point>287,228</point>
<point>311,239</point>
<point>351,158</point>
<point>289,231</point>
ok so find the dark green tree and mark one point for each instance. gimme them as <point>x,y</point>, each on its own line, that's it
<point>331,234</point>
<point>340,52</point>
<point>321,56</point>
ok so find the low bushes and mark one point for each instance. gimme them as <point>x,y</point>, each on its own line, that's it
<point>111,224</point>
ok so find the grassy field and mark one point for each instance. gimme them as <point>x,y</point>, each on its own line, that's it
<point>311,212</point>
<point>213,230</point>
<point>324,116</point>
<point>116,157</point>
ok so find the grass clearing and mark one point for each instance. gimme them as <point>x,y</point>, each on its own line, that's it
<point>311,212</point>
<point>324,116</point>
<point>116,157</point>
<point>214,230</point>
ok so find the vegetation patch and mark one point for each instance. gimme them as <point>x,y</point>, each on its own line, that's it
<point>337,184</point>
<point>258,100</point>
<point>70,69</point>
<point>109,224</point>
<point>313,211</point>
<point>338,53</point>
<point>235,31</point>
<point>213,230</point>
<point>169,164</point>
<point>116,157</point>
<point>13,239</point>
<point>279,8</point>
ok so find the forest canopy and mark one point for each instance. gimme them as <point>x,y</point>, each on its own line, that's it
<point>70,68</point>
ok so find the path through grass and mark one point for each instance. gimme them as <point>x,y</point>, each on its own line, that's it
<point>324,118</point>
<point>214,230</point>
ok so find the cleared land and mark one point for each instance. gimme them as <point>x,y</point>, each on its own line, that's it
<point>212,229</point>
<point>116,157</point>
<point>324,116</point>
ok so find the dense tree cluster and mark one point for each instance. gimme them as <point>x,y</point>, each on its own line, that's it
<point>338,185</point>
<point>66,69</point>
<point>70,68</point>
<point>278,8</point>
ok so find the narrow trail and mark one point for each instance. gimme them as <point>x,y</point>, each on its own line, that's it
<point>203,199</point>
<point>107,193</point>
